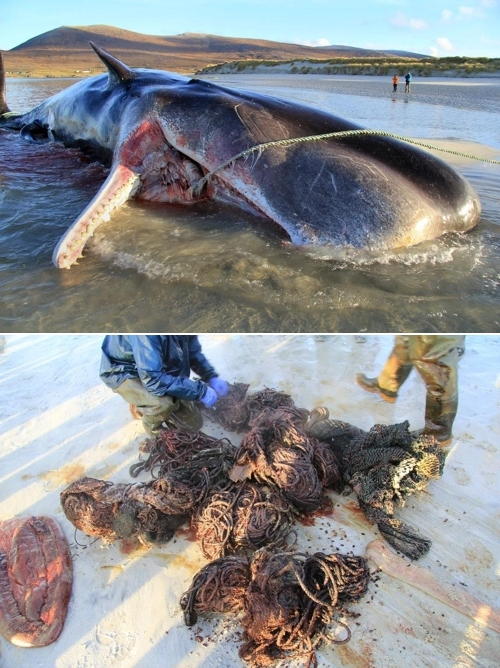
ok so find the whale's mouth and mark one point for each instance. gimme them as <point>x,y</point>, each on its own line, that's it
<point>169,176</point>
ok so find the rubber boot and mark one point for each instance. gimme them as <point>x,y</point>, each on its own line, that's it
<point>372,385</point>
<point>436,359</point>
<point>439,420</point>
<point>135,412</point>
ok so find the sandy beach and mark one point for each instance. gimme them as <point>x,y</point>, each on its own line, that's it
<point>59,422</point>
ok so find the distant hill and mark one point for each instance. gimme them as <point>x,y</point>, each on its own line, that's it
<point>65,51</point>
<point>408,54</point>
<point>353,52</point>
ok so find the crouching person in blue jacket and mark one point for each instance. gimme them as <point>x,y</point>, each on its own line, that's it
<point>152,373</point>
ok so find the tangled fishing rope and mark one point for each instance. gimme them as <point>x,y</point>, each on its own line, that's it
<point>242,499</point>
<point>231,411</point>
<point>288,600</point>
<point>384,466</point>
<point>237,411</point>
<point>243,518</point>
<point>192,458</point>
<point>238,500</point>
<point>276,451</point>
<point>150,512</point>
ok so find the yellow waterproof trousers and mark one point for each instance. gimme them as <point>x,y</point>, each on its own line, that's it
<point>436,359</point>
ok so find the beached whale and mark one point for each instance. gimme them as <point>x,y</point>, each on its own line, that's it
<point>160,133</point>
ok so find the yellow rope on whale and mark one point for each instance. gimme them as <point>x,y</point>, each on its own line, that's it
<point>196,189</point>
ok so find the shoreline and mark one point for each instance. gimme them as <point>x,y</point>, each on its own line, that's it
<point>437,78</point>
<point>290,68</point>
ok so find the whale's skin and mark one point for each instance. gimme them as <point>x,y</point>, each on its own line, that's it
<point>160,132</point>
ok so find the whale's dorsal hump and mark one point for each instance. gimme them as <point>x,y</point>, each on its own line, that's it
<point>118,71</point>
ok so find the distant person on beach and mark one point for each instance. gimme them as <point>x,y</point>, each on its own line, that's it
<point>395,81</point>
<point>152,374</point>
<point>407,82</point>
<point>436,359</point>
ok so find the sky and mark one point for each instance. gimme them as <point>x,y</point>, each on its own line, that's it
<point>433,27</point>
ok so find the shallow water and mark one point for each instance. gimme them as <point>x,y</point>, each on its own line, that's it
<point>213,269</point>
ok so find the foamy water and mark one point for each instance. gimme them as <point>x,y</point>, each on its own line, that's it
<point>212,268</point>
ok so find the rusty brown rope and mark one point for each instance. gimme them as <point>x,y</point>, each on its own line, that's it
<point>178,449</point>
<point>219,586</point>
<point>327,465</point>
<point>151,512</point>
<point>237,411</point>
<point>231,411</point>
<point>289,601</point>
<point>278,451</point>
<point>241,518</point>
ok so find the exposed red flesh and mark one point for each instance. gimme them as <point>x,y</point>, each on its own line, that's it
<point>35,580</point>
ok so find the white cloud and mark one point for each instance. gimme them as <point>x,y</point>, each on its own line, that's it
<point>445,43</point>
<point>417,24</point>
<point>401,20</point>
<point>434,52</point>
<point>322,41</point>
<point>467,12</point>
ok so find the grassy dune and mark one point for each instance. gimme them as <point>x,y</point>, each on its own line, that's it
<point>424,67</point>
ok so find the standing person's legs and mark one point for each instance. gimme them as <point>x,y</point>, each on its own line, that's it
<point>436,359</point>
<point>393,375</point>
<point>155,410</point>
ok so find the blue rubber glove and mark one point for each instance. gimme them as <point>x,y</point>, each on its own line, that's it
<point>210,397</point>
<point>219,385</point>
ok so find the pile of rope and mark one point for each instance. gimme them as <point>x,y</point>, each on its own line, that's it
<point>242,518</point>
<point>150,512</point>
<point>231,411</point>
<point>237,411</point>
<point>384,466</point>
<point>242,502</point>
<point>288,600</point>
<point>190,482</point>
<point>277,451</point>
<point>194,459</point>
<point>172,450</point>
